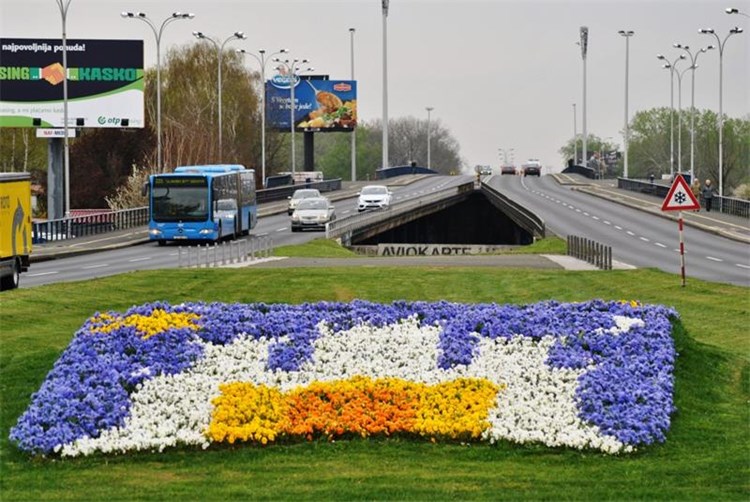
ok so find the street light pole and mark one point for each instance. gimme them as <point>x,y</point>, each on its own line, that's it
<point>584,46</point>
<point>671,67</point>
<point>66,155</point>
<point>679,117</point>
<point>292,69</point>
<point>730,10</point>
<point>354,131</point>
<point>237,35</point>
<point>693,66</point>
<point>429,109</point>
<point>575,136</point>
<point>385,83</point>
<point>141,16</point>
<point>262,62</point>
<point>626,140</point>
<point>734,31</point>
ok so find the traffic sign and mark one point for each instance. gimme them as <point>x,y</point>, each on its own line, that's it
<point>680,197</point>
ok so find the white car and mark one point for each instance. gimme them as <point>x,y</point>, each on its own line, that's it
<point>312,213</point>
<point>302,193</point>
<point>374,197</point>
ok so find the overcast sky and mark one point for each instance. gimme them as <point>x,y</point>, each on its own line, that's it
<point>498,73</point>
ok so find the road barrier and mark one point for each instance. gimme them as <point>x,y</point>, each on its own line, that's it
<point>88,224</point>
<point>590,251</point>
<point>225,253</point>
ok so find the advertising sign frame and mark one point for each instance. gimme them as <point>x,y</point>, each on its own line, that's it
<point>321,105</point>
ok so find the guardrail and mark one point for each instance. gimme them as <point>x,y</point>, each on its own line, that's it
<point>590,251</point>
<point>225,253</point>
<point>280,193</point>
<point>345,226</point>
<point>582,170</point>
<point>89,224</point>
<point>516,212</point>
<point>727,205</point>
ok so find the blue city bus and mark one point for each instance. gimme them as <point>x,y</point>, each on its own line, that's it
<point>202,203</point>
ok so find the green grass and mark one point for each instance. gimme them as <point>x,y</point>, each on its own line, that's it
<point>548,245</point>
<point>317,248</point>
<point>705,457</point>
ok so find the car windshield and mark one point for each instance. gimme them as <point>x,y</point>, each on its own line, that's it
<point>374,191</point>
<point>305,194</point>
<point>313,204</point>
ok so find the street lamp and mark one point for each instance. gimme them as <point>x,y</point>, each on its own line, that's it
<point>730,10</point>
<point>575,137</point>
<point>627,34</point>
<point>734,31</point>
<point>66,156</point>
<point>261,59</point>
<point>429,109</point>
<point>693,66</point>
<point>237,35</point>
<point>141,16</point>
<point>584,32</point>
<point>385,82</point>
<point>293,69</point>
<point>354,131</point>
<point>671,67</point>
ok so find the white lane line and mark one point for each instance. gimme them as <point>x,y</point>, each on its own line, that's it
<point>596,218</point>
<point>742,266</point>
<point>618,227</point>
<point>262,235</point>
<point>714,259</point>
<point>97,266</point>
<point>173,254</point>
<point>586,213</point>
<point>43,273</point>
<point>659,244</point>
<point>630,233</point>
<point>140,259</point>
<point>644,239</point>
<point>281,229</point>
<point>606,222</point>
<point>577,210</point>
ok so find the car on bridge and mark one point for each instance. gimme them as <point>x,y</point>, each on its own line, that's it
<point>508,169</point>
<point>313,213</point>
<point>374,197</point>
<point>298,195</point>
<point>532,168</point>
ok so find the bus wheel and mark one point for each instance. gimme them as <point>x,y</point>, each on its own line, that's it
<point>162,242</point>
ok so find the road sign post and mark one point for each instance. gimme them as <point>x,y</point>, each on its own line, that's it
<point>680,198</point>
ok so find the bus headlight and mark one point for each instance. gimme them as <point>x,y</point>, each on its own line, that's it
<point>206,231</point>
<point>155,232</point>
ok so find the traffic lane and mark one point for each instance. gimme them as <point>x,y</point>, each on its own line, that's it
<point>637,237</point>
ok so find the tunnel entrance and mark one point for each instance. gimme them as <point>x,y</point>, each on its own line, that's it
<point>473,221</point>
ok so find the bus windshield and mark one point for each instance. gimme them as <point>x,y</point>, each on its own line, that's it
<point>180,198</point>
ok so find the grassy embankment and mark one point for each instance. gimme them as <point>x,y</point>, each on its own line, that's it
<point>705,456</point>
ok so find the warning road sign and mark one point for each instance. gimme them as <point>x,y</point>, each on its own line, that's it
<point>680,197</point>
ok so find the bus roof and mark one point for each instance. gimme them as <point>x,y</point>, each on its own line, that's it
<point>210,168</point>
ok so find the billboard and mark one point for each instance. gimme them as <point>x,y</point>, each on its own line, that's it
<point>105,83</point>
<point>320,104</point>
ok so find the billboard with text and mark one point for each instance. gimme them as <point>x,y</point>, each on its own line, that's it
<point>320,105</point>
<point>105,83</point>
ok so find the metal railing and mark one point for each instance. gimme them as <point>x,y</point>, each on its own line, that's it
<point>523,217</point>
<point>590,251</point>
<point>280,193</point>
<point>89,224</point>
<point>223,254</point>
<point>727,205</point>
<point>345,226</point>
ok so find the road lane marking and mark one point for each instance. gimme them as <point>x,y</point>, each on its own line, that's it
<point>89,267</point>
<point>606,222</point>
<point>644,239</point>
<point>140,259</point>
<point>281,229</point>
<point>659,244</point>
<point>742,266</point>
<point>630,233</point>
<point>596,218</point>
<point>714,259</point>
<point>43,273</point>
<point>618,227</point>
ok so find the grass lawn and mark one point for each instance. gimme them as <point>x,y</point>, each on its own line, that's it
<point>706,456</point>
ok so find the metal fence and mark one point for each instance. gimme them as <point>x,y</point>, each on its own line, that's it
<point>590,251</point>
<point>727,205</point>
<point>281,193</point>
<point>225,253</point>
<point>88,224</point>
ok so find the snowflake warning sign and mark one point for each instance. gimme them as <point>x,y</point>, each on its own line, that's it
<point>680,197</point>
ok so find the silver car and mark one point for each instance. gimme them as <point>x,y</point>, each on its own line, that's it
<point>302,193</point>
<point>313,213</point>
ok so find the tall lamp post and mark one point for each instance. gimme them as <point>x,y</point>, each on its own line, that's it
<point>261,59</point>
<point>354,131</point>
<point>293,70</point>
<point>693,66</point>
<point>575,136</point>
<point>141,16</point>
<point>66,155</point>
<point>237,35</point>
<point>584,47</point>
<point>671,67</point>
<point>385,82</point>
<point>730,10</point>
<point>627,34</point>
<point>429,109</point>
<point>734,31</point>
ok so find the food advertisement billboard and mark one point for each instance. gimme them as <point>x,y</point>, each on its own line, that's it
<point>320,105</point>
<point>105,83</point>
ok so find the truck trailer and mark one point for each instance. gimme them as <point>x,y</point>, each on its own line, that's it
<point>15,227</point>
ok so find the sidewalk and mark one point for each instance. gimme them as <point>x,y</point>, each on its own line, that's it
<point>725,225</point>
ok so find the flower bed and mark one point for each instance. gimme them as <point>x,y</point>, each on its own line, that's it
<point>592,375</point>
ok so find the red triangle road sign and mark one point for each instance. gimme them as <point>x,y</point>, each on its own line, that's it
<point>680,197</point>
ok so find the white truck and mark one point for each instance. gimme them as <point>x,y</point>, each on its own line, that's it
<point>15,227</point>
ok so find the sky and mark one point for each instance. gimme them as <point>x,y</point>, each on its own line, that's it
<point>499,74</point>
